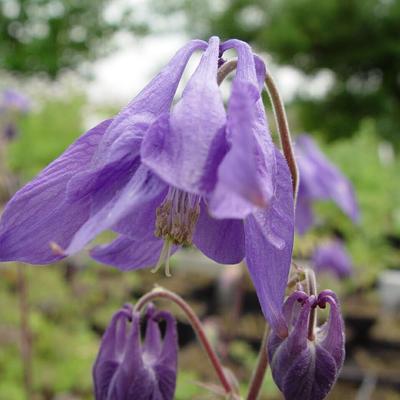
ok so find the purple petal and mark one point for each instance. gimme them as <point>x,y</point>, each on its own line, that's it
<point>132,379</point>
<point>269,243</point>
<point>185,148</point>
<point>167,364</point>
<point>332,256</point>
<point>152,339</point>
<point>220,240</point>
<point>154,100</point>
<point>310,376</point>
<point>129,254</point>
<point>111,350</point>
<point>143,187</point>
<point>246,176</point>
<point>321,179</point>
<point>331,335</point>
<point>39,213</point>
<point>141,225</point>
<point>304,213</point>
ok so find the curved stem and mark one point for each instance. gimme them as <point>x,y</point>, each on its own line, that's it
<point>225,69</point>
<point>158,293</point>
<point>283,129</point>
<point>262,365</point>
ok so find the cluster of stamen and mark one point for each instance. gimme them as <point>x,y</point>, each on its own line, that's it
<point>176,220</point>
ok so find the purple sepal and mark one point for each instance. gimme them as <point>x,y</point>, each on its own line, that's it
<point>127,369</point>
<point>320,180</point>
<point>305,368</point>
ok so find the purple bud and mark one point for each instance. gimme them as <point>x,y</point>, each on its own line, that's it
<point>332,256</point>
<point>127,369</point>
<point>307,362</point>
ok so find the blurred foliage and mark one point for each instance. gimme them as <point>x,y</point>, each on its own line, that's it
<point>37,145</point>
<point>356,40</point>
<point>49,36</point>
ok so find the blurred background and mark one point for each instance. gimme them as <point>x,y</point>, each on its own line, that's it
<point>77,62</point>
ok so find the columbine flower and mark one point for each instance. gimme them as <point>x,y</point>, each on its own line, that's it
<point>162,178</point>
<point>12,105</point>
<point>306,363</point>
<point>125,369</point>
<point>332,256</point>
<point>320,180</point>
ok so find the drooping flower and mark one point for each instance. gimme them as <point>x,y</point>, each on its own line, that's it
<point>12,105</point>
<point>306,363</point>
<point>127,369</point>
<point>320,180</point>
<point>333,257</point>
<point>162,177</point>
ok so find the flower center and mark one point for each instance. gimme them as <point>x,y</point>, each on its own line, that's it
<point>176,220</point>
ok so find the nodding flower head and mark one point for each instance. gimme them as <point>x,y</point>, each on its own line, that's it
<point>307,362</point>
<point>163,175</point>
<point>127,369</point>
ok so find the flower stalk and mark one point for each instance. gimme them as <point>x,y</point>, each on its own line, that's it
<point>161,293</point>
<point>283,129</point>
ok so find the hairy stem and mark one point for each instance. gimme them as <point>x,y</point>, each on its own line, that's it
<point>225,69</point>
<point>197,326</point>
<point>283,129</point>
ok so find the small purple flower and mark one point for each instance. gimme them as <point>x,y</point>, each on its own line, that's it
<point>163,176</point>
<point>14,101</point>
<point>306,363</point>
<point>332,256</point>
<point>320,180</point>
<point>12,105</point>
<point>125,369</point>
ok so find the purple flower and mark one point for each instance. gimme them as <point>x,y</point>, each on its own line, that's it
<point>320,180</point>
<point>332,256</point>
<point>12,104</point>
<point>162,177</point>
<point>125,369</point>
<point>14,101</point>
<point>306,363</point>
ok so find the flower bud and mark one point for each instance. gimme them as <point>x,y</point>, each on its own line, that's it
<point>127,369</point>
<point>307,362</point>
